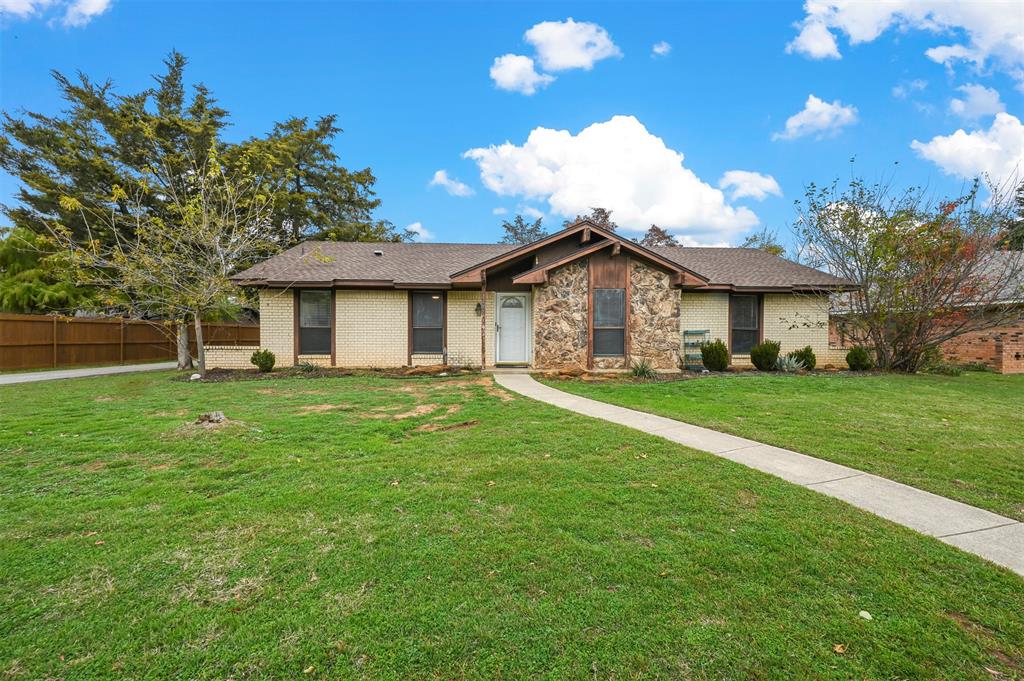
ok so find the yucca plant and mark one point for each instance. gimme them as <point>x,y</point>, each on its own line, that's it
<point>642,368</point>
<point>788,364</point>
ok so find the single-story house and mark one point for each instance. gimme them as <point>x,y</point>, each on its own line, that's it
<point>582,298</point>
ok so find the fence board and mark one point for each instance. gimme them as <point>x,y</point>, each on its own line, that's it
<point>45,341</point>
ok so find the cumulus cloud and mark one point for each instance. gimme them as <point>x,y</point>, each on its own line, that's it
<point>517,73</point>
<point>531,212</point>
<point>450,184</point>
<point>570,44</point>
<point>419,232</point>
<point>661,49</point>
<point>903,90</point>
<point>819,118</point>
<point>499,211</point>
<point>616,164</point>
<point>992,29</point>
<point>815,41</point>
<point>71,14</point>
<point>978,101</point>
<point>997,152</point>
<point>745,183</point>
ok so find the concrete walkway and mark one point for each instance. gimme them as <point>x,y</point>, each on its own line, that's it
<point>991,536</point>
<point>57,374</point>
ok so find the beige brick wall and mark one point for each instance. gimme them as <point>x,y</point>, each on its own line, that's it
<point>230,356</point>
<point>706,311</point>
<point>463,328</point>
<point>489,326</point>
<point>372,328</point>
<point>319,360</point>
<point>796,321</point>
<point>277,324</point>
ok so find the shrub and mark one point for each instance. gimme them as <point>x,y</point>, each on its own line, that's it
<point>765,355</point>
<point>859,359</point>
<point>642,368</point>
<point>805,357</point>
<point>789,364</point>
<point>264,360</point>
<point>715,356</point>
<point>945,369</point>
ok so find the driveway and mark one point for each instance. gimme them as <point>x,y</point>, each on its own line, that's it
<point>58,374</point>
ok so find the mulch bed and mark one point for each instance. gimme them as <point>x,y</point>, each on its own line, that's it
<point>228,375</point>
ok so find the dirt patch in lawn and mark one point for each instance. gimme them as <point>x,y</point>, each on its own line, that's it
<point>321,408</point>
<point>443,427</point>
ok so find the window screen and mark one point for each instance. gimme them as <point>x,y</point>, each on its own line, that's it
<point>609,322</point>
<point>314,322</point>
<point>744,324</point>
<point>427,322</point>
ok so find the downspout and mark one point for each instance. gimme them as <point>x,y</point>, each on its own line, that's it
<point>483,319</point>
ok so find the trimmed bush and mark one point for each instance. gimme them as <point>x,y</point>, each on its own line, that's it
<point>264,360</point>
<point>715,356</point>
<point>642,368</point>
<point>859,359</point>
<point>805,357</point>
<point>765,355</point>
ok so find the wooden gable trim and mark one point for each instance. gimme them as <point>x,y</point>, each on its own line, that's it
<point>473,274</point>
<point>539,274</point>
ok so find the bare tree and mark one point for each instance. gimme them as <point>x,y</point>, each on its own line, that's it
<point>657,236</point>
<point>178,266</point>
<point>926,271</point>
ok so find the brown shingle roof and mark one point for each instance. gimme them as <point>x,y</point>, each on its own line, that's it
<point>419,264</point>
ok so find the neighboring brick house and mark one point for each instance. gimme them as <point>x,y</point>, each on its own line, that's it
<point>1001,348</point>
<point>583,298</point>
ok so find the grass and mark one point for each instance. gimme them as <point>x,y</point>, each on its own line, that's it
<point>958,436</point>
<point>378,528</point>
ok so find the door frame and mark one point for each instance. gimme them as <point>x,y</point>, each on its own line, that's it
<point>528,360</point>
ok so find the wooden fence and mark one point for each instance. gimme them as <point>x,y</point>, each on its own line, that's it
<point>44,341</point>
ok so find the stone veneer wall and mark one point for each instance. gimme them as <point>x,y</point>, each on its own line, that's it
<point>653,317</point>
<point>560,319</point>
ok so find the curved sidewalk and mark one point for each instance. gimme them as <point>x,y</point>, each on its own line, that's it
<point>986,534</point>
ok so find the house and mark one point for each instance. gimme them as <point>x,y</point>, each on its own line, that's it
<point>582,298</point>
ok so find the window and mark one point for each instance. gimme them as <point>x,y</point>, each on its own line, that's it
<point>744,323</point>
<point>427,322</point>
<point>609,322</point>
<point>314,322</point>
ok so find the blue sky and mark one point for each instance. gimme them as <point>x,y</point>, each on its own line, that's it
<point>417,86</point>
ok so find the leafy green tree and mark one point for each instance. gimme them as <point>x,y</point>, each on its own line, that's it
<point>519,231</point>
<point>1014,234</point>
<point>766,241</point>
<point>34,280</point>
<point>602,217</point>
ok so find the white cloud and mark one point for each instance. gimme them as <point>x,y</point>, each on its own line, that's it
<point>499,211</point>
<point>992,29</point>
<point>531,212</point>
<point>979,101</point>
<point>75,13</point>
<point>997,152</point>
<point>902,90</point>
<point>450,184</point>
<point>81,12</point>
<point>815,41</point>
<point>516,73</point>
<point>570,44</point>
<point>745,183</point>
<point>819,118</point>
<point>616,164</point>
<point>420,233</point>
<point>661,49</point>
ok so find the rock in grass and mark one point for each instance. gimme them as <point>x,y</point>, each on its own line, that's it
<point>211,417</point>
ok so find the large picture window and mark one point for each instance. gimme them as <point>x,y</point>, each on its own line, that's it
<point>427,322</point>
<point>609,322</point>
<point>314,322</point>
<point>744,323</point>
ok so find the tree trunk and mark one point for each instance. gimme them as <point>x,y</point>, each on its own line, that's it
<point>184,356</point>
<point>200,351</point>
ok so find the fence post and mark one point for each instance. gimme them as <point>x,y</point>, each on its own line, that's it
<point>55,342</point>
<point>121,330</point>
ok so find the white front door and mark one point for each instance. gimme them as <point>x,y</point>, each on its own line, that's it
<point>513,327</point>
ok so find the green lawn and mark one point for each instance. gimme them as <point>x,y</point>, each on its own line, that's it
<point>423,528</point>
<point>958,436</point>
